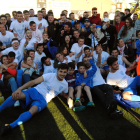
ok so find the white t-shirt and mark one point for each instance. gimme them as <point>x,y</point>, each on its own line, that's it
<point>119,78</point>
<point>104,56</point>
<point>70,59</point>
<point>49,69</point>
<point>76,49</point>
<point>37,59</point>
<point>18,28</point>
<point>18,53</point>
<point>51,86</point>
<point>43,21</point>
<point>120,61</point>
<point>6,40</point>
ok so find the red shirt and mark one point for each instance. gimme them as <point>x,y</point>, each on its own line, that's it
<point>118,27</point>
<point>95,19</point>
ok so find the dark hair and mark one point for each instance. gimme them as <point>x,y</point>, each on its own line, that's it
<point>1,44</point>
<point>2,58</point>
<point>124,31</point>
<point>115,49</point>
<point>25,58</point>
<point>28,51</point>
<point>71,65</point>
<point>25,11</point>
<point>15,39</point>
<point>3,16</point>
<point>69,24</point>
<point>71,14</point>
<point>11,54</point>
<point>94,8</point>
<point>76,30</point>
<point>19,12</point>
<point>137,32</point>
<point>39,44</point>
<point>32,22</point>
<point>8,14</point>
<point>136,14</point>
<point>43,9</point>
<point>86,48</point>
<point>61,49</point>
<point>39,11</point>
<point>81,37</point>
<point>79,64</point>
<point>43,59</point>
<point>62,15</point>
<point>127,10</point>
<point>63,66</point>
<point>118,40</point>
<point>31,9</point>
<point>111,60</point>
<point>14,12</point>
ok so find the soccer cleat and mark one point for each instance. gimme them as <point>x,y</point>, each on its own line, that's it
<point>70,102</point>
<point>112,107</point>
<point>80,108</point>
<point>6,128</point>
<point>116,114</point>
<point>91,104</point>
<point>77,103</point>
<point>17,103</point>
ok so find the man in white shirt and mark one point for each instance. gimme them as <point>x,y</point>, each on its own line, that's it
<point>48,86</point>
<point>118,77</point>
<point>18,26</point>
<point>35,32</point>
<point>14,13</point>
<point>6,36</point>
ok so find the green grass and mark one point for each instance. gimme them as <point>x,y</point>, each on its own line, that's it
<point>58,122</point>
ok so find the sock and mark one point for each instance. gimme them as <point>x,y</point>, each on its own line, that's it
<point>135,98</point>
<point>77,98</point>
<point>23,118</point>
<point>7,103</point>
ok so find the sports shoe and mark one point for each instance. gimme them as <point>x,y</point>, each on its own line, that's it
<point>116,114</point>
<point>79,108</point>
<point>70,102</point>
<point>5,129</point>
<point>77,103</point>
<point>91,104</point>
<point>17,103</point>
<point>112,107</point>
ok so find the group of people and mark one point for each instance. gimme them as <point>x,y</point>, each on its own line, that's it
<point>42,57</point>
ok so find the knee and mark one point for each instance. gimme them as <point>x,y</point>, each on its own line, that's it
<point>71,89</point>
<point>26,72</point>
<point>12,79</point>
<point>34,110</point>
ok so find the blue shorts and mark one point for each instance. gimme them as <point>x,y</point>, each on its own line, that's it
<point>105,67</point>
<point>33,97</point>
<point>134,85</point>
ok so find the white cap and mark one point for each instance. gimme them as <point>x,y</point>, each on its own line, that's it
<point>106,19</point>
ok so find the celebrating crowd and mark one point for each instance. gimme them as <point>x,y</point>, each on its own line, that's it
<point>42,57</point>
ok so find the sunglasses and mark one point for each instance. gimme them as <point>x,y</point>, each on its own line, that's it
<point>95,12</point>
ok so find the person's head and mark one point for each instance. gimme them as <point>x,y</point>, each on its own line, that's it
<point>67,39</point>
<point>67,26</point>
<point>44,12</point>
<point>122,14</point>
<point>135,17</point>
<point>76,34</point>
<point>46,61</point>
<point>29,34</point>
<point>120,42</point>
<point>45,36</point>
<point>105,14</point>
<point>106,21</point>
<point>65,12</point>
<point>40,48</point>
<point>3,19</point>
<point>117,12</point>
<point>59,57</point>
<point>2,29</point>
<point>81,41</point>
<point>71,16</point>
<point>31,12</point>
<point>8,16</point>
<point>63,17</point>
<point>15,43</point>
<point>62,71</point>
<point>11,57</point>
<point>86,63</point>
<point>87,51</point>
<point>128,22</point>
<point>138,33</point>
<point>81,67</point>
<point>63,50</point>
<point>28,60</point>
<point>71,68</point>
<point>33,26</point>
<point>40,15</point>
<point>113,63</point>
<point>14,13</point>
<point>117,19</point>
<point>98,48</point>
<point>50,18</point>
<point>77,24</point>
<point>115,52</point>
<point>94,11</point>
<point>87,23</point>
<point>19,16</point>
<point>86,14</point>
<point>26,14</point>
<point>31,53</point>
<point>127,11</point>
<point>4,59</point>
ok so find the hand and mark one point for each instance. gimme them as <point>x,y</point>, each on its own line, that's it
<point>87,59</point>
<point>55,22</point>
<point>36,65</point>
<point>66,58</point>
<point>70,54</point>
<point>61,22</point>
<point>62,32</point>
<point>40,24</point>
<point>16,94</point>
<point>3,66</point>
<point>137,4</point>
<point>125,55</point>
<point>27,39</point>
<point>15,34</point>
<point>35,44</point>
<point>45,46</point>
<point>83,84</point>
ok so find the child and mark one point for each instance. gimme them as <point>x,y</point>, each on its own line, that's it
<point>70,78</point>
<point>84,80</point>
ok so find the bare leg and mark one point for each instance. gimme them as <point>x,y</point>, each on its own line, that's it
<point>79,91</point>
<point>87,89</point>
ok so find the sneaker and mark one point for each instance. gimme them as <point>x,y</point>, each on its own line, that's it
<point>17,103</point>
<point>77,103</point>
<point>70,102</point>
<point>80,108</point>
<point>91,104</point>
<point>116,114</point>
<point>5,129</point>
<point>112,107</point>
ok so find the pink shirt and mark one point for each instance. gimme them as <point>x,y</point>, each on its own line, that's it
<point>38,35</point>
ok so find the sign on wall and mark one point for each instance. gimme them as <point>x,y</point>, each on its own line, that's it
<point>41,3</point>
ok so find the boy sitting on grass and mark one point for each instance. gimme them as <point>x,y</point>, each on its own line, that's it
<point>84,80</point>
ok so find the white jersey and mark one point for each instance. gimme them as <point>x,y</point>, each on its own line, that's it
<point>120,61</point>
<point>119,78</point>
<point>18,28</point>
<point>7,39</point>
<point>49,69</point>
<point>51,86</point>
<point>37,60</point>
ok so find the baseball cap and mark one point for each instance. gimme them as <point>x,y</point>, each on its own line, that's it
<point>87,20</point>
<point>76,22</point>
<point>106,19</point>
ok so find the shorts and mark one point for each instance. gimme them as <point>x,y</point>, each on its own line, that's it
<point>105,67</point>
<point>33,97</point>
<point>73,87</point>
